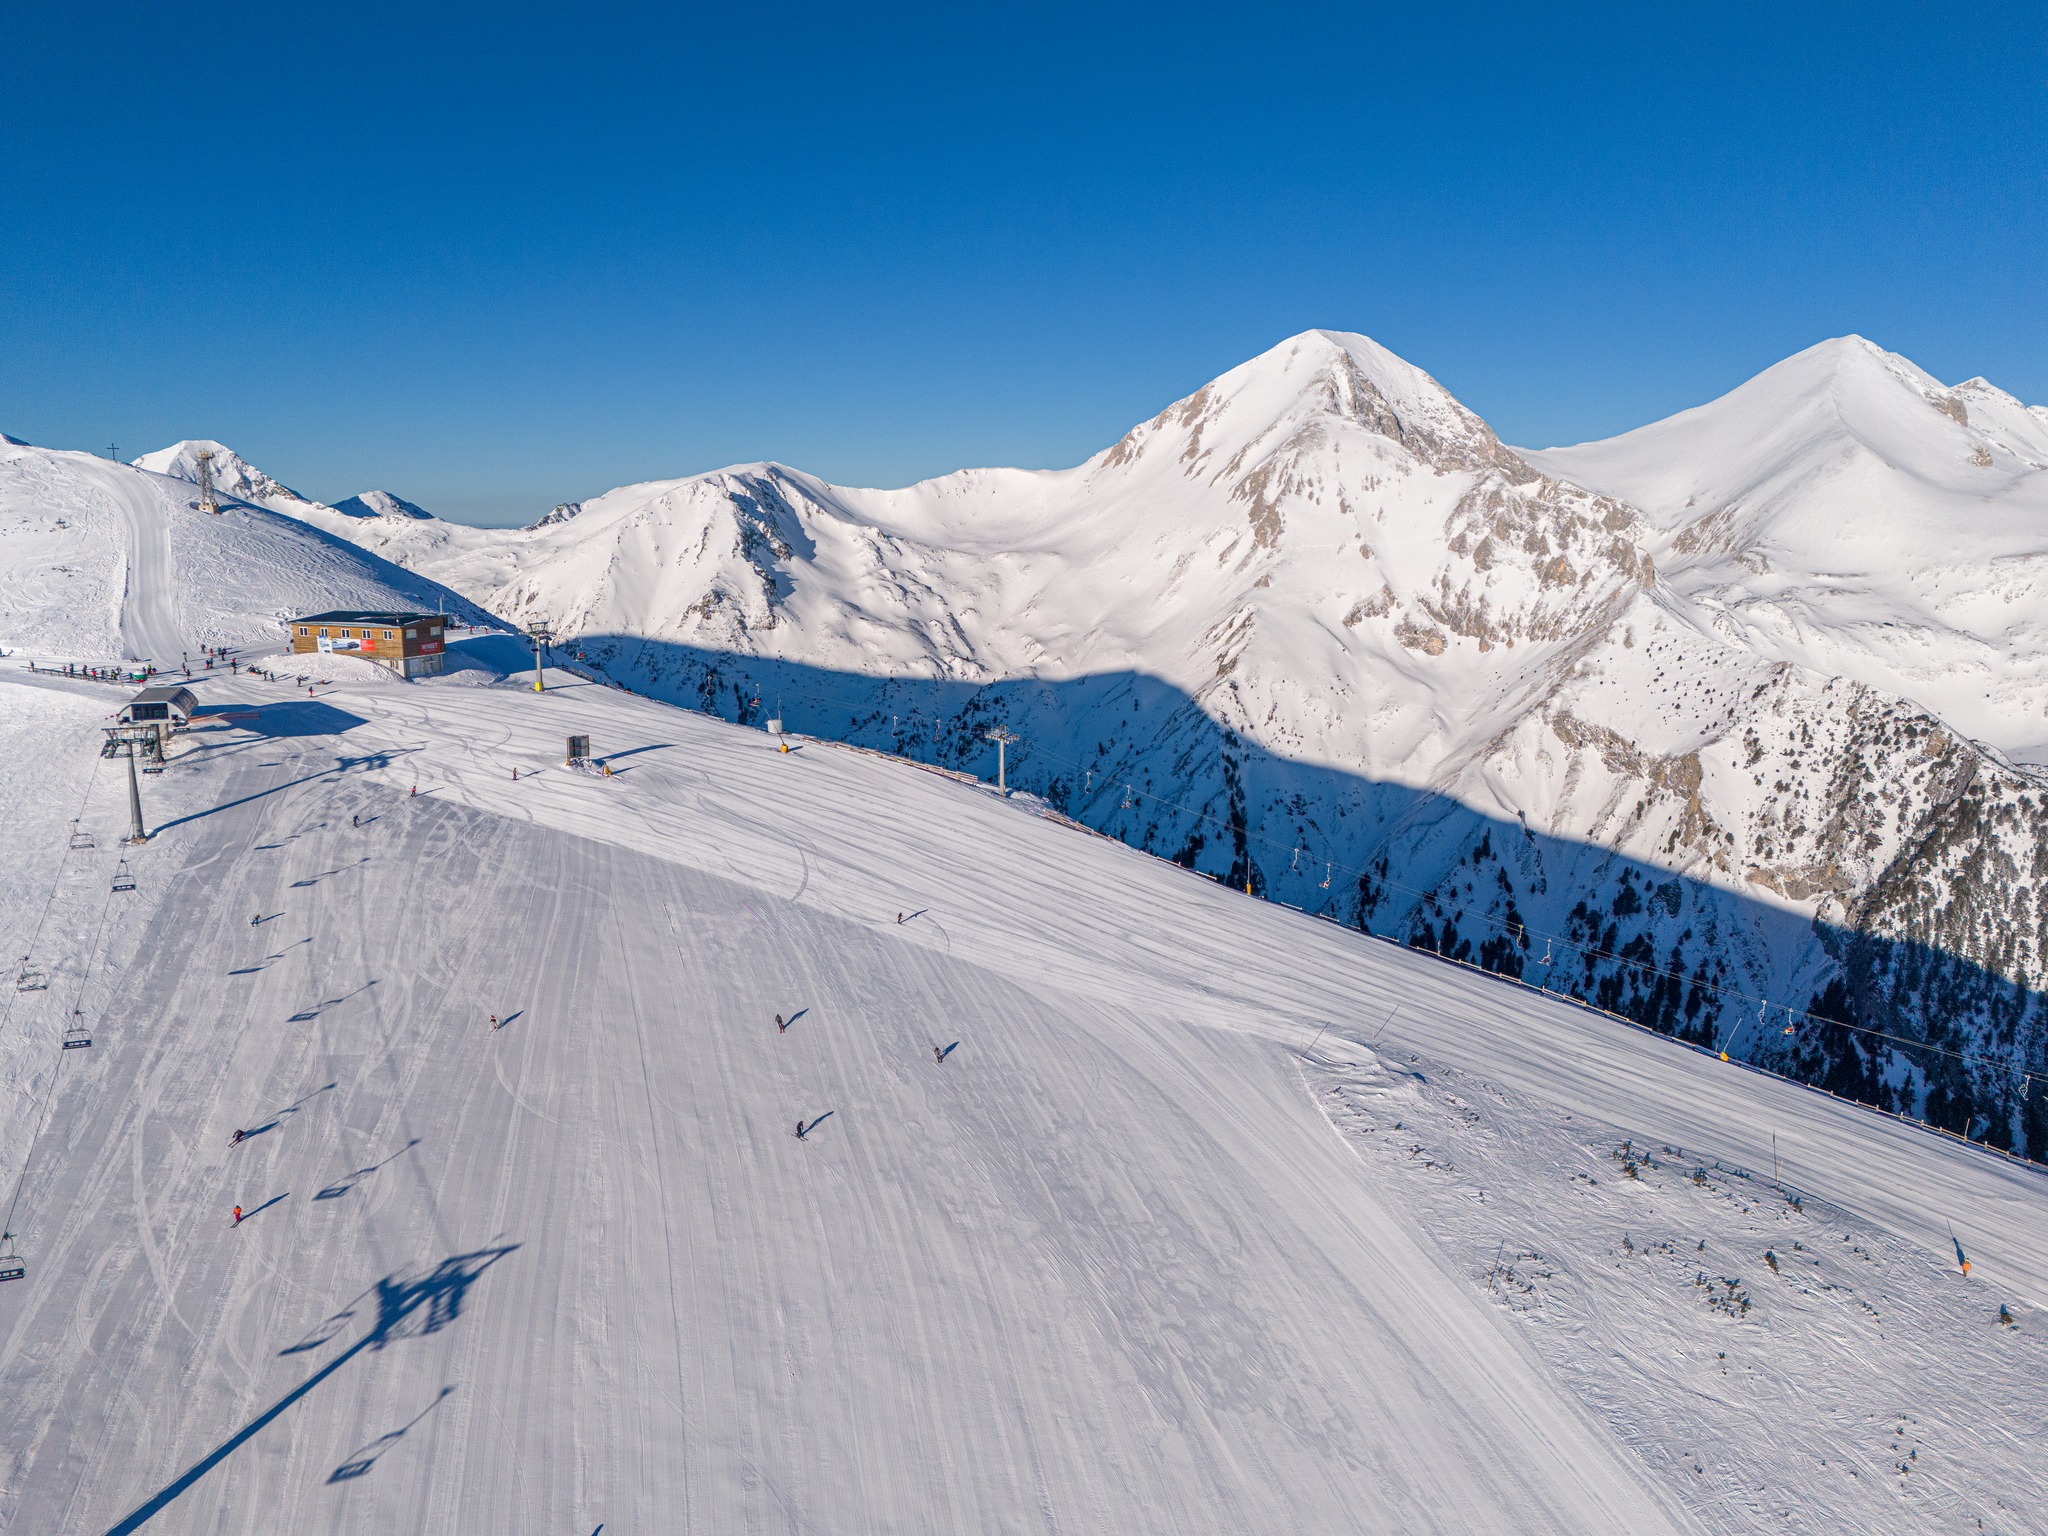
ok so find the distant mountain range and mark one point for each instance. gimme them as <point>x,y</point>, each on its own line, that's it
<point>1726,724</point>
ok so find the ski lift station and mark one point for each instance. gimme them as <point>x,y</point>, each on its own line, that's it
<point>167,706</point>
<point>410,644</point>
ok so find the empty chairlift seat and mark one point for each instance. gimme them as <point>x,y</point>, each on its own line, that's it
<point>77,1037</point>
<point>11,1265</point>
<point>123,881</point>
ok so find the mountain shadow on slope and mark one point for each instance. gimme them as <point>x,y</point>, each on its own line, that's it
<point>1913,1006</point>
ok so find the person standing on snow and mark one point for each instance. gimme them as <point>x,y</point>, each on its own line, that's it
<point>238,1215</point>
<point>494,1021</point>
<point>799,1128</point>
<point>780,1027</point>
<point>236,1139</point>
<point>939,1055</point>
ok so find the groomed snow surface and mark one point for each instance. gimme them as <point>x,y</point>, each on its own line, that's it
<point>1182,1236</point>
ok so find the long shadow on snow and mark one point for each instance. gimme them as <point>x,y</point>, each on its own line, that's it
<point>1145,763</point>
<point>405,1309</point>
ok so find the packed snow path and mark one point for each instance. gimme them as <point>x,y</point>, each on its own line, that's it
<point>149,630</point>
<point>1108,1268</point>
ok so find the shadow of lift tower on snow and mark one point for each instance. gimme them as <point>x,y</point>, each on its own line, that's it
<point>404,1309</point>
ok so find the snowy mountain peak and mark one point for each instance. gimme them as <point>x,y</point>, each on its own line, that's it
<point>380,504</point>
<point>1300,394</point>
<point>560,512</point>
<point>233,476</point>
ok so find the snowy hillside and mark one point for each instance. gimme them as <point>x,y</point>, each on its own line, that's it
<point>1701,744</point>
<point>101,561</point>
<point>1187,1230</point>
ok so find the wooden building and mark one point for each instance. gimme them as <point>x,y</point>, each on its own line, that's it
<point>410,644</point>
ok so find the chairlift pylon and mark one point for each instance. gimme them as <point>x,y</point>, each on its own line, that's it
<point>12,1266</point>
<point>31,978</point>
<point>123,881</point>
<point>77,1037</point>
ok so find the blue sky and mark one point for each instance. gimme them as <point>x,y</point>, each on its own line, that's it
<point>496,258</point>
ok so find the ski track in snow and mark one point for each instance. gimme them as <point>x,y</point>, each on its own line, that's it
<point>1109,1268</point>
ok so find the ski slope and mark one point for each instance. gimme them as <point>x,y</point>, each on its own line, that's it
<point>1118,1264</point>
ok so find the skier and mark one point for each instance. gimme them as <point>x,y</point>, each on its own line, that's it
<point>780,1027</point>
<point>494,1021</point>
<point>799,1129</point>
<point>236,1139</point>
<point>255,918</point>
<point>238,1215</point>
<point>939,1055</point>
<point>355,821</point>
<point>515,775</point>
<point>899,919</point>
<point>414,790</point>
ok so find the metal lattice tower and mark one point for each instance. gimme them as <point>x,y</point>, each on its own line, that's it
<point>206,501</point>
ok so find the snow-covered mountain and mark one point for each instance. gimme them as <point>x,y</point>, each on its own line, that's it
<point>100,561</point>
<point>1316,631</point>
<point>380,504</point>
<point>1848,513</point>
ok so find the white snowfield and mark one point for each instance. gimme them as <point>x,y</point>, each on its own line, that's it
<point>1128,1259</point>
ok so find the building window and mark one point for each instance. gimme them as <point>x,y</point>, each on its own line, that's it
<point>324,635</point>
<point>302,629</point>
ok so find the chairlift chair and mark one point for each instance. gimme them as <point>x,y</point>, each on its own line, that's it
<point>31,978</point>
<point>11,1265</point>
<point>80,838</point>
<point>123,881</point>
<point>77,1037</point>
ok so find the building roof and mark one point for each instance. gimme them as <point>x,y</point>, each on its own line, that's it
<point>168,693</point>
<point>359,616</point>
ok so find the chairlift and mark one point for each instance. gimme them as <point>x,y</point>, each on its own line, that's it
<point>77,1037</point>
<point>1127,797</point>
<point>123,881</point>
<point>80,838</point>
<point>1546,953</point>
<point>31,978</point>
<point>1326,875</point>
<point>11,1265</point>
<point>1295,863</point>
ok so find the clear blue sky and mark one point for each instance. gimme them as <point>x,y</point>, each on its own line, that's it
<point>493,258</point>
